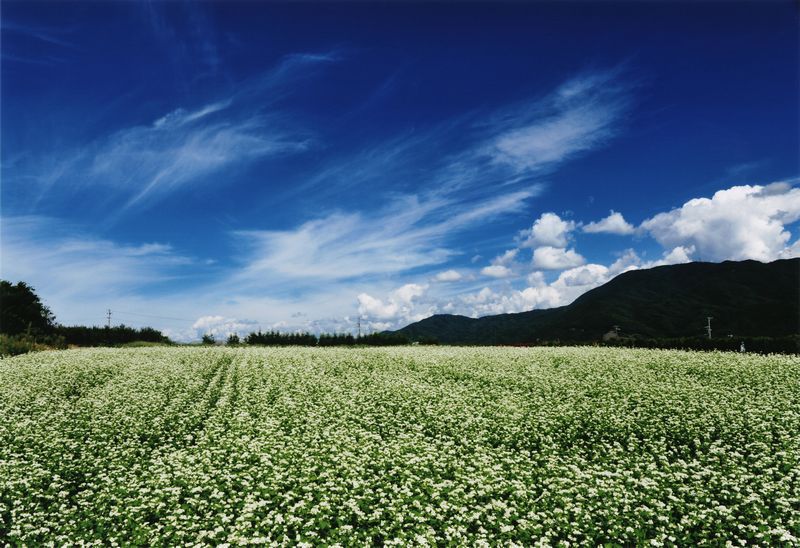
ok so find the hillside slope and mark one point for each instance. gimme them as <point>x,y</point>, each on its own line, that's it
<point>745,298</point>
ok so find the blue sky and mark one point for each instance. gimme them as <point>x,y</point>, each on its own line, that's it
<point>219,167</point>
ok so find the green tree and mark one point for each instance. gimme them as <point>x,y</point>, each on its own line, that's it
<point>22,312</point>
<point>233,339</point>
<point>208,338</point>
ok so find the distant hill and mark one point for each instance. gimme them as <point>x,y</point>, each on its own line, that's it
<point>745,298</point>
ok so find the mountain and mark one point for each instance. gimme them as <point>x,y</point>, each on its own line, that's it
<point>745,299</point>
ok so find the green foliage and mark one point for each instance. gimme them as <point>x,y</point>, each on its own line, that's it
<point>345,339</point>
<point>22,312</point>
<point>12,345</point>
<point>233,339</point>
<point>208,338</point>
<point>81,335</point>
<point>276,338</point>
<point>404,446</point>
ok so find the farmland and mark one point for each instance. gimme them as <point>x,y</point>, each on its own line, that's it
<point>412,445</point>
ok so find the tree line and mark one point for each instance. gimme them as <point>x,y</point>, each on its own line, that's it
<point>761,345</point>
<point>277,338</point>
<point>27,324</point>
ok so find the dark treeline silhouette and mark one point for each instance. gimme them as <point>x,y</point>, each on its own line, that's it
<point>276,338</point>
<point>81,335</point>
<point>336,339</point>
<point>761,345</point>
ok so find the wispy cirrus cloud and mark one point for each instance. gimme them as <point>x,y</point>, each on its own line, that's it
<point>49,35</point>
<point>70,266</point>
<point>319,265</point>
<point>475,153</point>
<point>580,115</point>
<point>465,188</point>
<point>198,45</point>
<point>142,163</point>
<point>408,233</point>
<point>183,148</point>
<point>53,45</point>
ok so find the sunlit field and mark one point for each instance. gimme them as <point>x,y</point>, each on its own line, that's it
<point>412,445</point>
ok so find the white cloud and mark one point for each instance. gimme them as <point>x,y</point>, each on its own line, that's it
<point>742,222</point>
<point>448,276</point>
<point>401,307</point>
<point>579,116</point>
<point>220,327</point>
<point>496,271</point>
<point>679,255</point>
<point>589,274</point>
<point>615,223</point>
<point>791,251</point>
<point>409,292</point>
<point>628,260</point>
<point>569,285</point>
<point>501,265</point>
<point>548,230</point>
<point>65,263</point>
<point>376,308</point>
<point>555,258</point>
<point>486,301</point>
<point>506,258</point>
<point>182,147</point>
<point>409,233</point>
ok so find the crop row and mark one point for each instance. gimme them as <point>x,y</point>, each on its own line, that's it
<point>458,446</point>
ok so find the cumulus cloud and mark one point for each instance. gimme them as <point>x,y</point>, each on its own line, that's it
<point>409,292</point>
<point>742,222</point>
<point>506,258</point>
<point>548,230</point>
<point>487,301</point>
<point>615,223</point>
<point>220,326</point>
<point>376,308</point>
<point>496,271</point>
<point>448,276</point>
<point>398,307</point>
<point>676,255</point>
<point>555,258</point>
<point>589,274</point>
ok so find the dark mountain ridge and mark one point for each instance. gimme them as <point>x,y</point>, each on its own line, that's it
<point>745,299</point>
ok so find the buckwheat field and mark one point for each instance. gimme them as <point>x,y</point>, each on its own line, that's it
<point>412,445</point>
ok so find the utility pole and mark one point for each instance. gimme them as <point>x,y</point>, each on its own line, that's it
<point>359,327</point>
<point>708,325</point>
<point>108,316</point>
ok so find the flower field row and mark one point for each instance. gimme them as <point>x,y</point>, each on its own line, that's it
<point>412,445</point>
